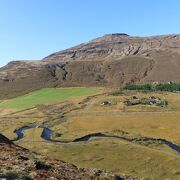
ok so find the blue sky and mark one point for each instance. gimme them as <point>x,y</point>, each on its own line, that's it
<point>33,29</point>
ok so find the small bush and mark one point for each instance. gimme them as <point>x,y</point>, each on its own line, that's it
<point>117,93</point>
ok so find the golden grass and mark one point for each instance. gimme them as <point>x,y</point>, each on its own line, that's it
<point>138,160</point>
<point>166,125</point>
<point>111,154</point>
<point>7,127</point>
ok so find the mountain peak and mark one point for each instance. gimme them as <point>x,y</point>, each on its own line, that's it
<point>118,34</point>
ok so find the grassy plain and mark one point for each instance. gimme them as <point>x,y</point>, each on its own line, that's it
<point>46,96</point>
<point>80,116</point>
<point>111,154</point>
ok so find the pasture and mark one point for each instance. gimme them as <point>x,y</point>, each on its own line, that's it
<point>46,96</point>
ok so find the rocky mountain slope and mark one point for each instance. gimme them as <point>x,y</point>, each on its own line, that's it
<point>19,163</point>
<point>111,60</point>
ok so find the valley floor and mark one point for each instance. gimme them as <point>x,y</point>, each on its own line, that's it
<point>85,114</point>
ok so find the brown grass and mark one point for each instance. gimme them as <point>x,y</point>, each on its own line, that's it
<point>151,162</point>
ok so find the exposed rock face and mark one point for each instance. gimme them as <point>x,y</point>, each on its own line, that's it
<point>113,46</point>
<point>111,60</point>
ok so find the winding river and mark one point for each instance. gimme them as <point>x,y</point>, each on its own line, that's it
<point>46,134</point>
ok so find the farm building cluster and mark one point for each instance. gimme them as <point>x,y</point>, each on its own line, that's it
<point>152,100</point>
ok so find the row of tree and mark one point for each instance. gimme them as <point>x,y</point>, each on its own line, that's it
<point>149,87</point>
<point>143,87</point>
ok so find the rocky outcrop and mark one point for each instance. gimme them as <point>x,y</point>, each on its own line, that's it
<point>5,140</point>
<point>111,60</point>
<point>114,46</point>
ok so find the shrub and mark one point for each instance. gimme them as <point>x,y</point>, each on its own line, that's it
<point>117,93</point>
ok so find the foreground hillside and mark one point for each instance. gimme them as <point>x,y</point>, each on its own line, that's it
<point>111,60</point>
<point>19,163</point>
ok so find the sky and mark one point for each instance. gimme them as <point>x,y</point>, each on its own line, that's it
<point>33,29</point>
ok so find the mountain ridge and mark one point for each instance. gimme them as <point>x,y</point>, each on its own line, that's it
<point>111,60</point>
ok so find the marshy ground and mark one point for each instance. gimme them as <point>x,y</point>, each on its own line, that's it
<point>82,112</point>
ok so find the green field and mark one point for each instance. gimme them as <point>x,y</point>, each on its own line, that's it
<point>46,96</point>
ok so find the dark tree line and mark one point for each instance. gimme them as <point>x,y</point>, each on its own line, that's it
<point>167,87</point>
<point>158,87</point>
<point>143,87</point>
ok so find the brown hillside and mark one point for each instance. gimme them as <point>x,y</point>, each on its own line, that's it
<point>110,60</point>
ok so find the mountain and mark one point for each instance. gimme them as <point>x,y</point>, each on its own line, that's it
<point>111,60</point>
